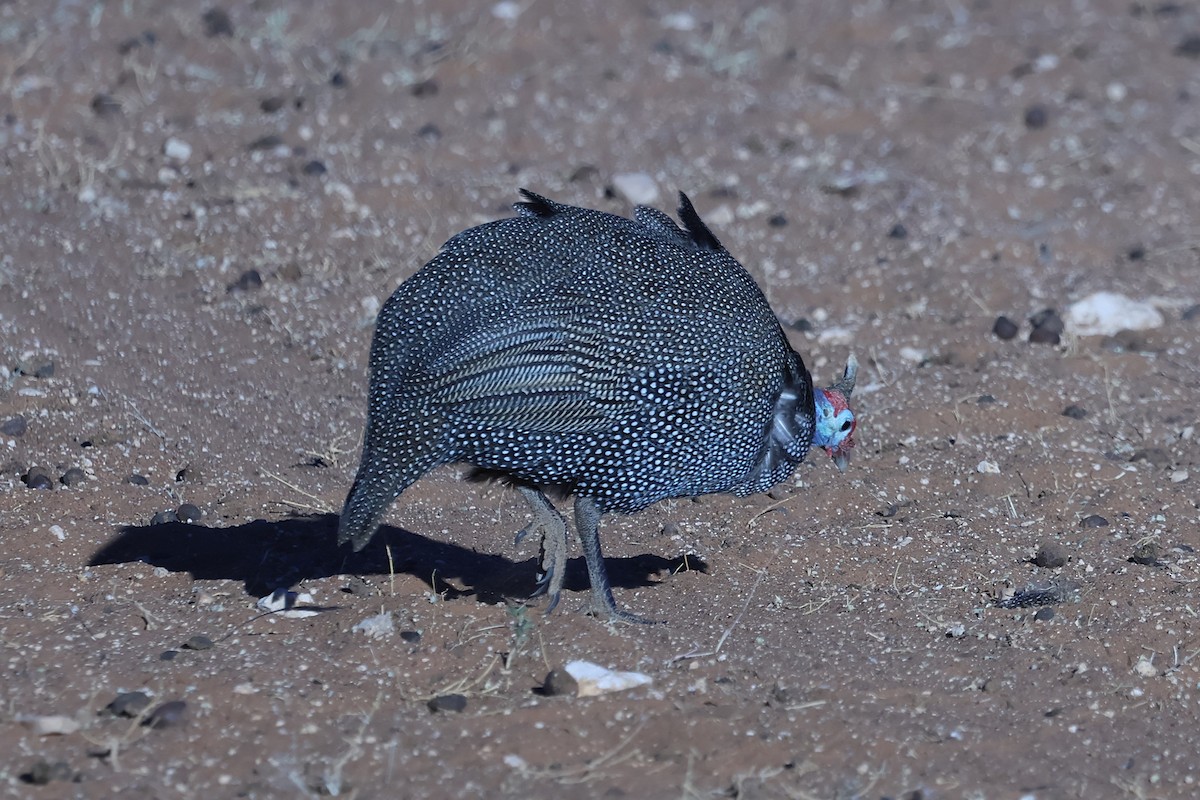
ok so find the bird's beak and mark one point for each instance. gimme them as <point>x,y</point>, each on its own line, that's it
<point>841,457</point>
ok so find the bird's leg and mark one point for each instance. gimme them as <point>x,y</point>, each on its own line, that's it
<point>553,528</point>
<point>587,523</point>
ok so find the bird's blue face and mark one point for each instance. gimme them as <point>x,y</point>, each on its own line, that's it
<point>835,425</point>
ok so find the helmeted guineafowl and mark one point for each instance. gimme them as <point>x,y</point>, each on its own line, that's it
<point>623,361</point>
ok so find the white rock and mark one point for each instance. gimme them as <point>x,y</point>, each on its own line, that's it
<point>376,627</point>
<point>1105,313</point>
<point>988,467</point>
<point>58,532</point>
<point>636,187</point>
<point>1178,476</point>
<point>51,725</point>
<point>177,150</point>
<point>913,354</point>
<point>679,21</point>
<point>1145,668</point>
<point>594,679</point>
<point>507,11</point>
<point>283,603</point>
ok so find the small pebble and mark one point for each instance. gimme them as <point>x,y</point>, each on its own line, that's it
<point>1050,555</point>
<point>14,427</point>
<point>105,105</point>
<point>448,702</point>
<point>1074,412</point>
<point>168,655</point>
<point>1145,554</point>
<point>1189,47</point>
<point>270,105</point>
<point>1180,475</point>
<point>247,281</point>
<point>429,132</point>
<point>314,167</point>
<point>188,513</point>
<point>73,477</point>
<point>636,187</point>
<point>198,642</point>
<point>1093,521</point>
<point>427,88</point>
<point>217,23</point>
<point>1155,456</point>
<point>1044,614</point>
<point>164,517</point>
<point>128,704</point>
<point>268,142</point>
<point>138,480</point>
<point>1136,253</point>
<point>985,400</point>
<point>559,682</point>
<point>1035,117</point>
<point>1191,313</point>
<point>777,221</point>
<point>166,715</point>
<point>37,479</point>
<point>43,772</point>
<point>1047,318</point>
<point>898,231</point>
<point>412,637</point>
<point>1004,328</point>
<point>177,150</point>
<point>338,80</point>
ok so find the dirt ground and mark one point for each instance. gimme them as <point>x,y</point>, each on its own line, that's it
<point>201,210</point>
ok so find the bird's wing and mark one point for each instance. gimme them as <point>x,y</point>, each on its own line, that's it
<point>531,372</point>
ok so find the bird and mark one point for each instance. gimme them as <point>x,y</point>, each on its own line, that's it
<point>571,351</point>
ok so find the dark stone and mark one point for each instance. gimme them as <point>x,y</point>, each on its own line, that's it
<point>338,80</point>
<point>777,221</point>
<point>448,702</point>
<point>43,772</point>
<point>1189,47</point>
<point>1191,314</point>
<point>985,400</point>
<point>1036,117</point>
<point>14,427</point>
<point>427,88</point>
<point>1050,556</point>
<point>1093,521</point>
<point>247,281</point>
<point>314,167</point>
<point>1146,554</point>
<point>429,132</point>
<point>73,477</point>
<point>1044,614</point>
<point>105,105</point>
<point>1152,455</point>
<point>803,325</point>
<point>270,105</point>
<point>217,23</point>
<point>164,517</point>
<point>1048,320</point>
<point>1004,328</point>
<point>560,682</point>
<point>1074,412</point>
<point>198,642</point>
<point>138,480</point>
<point>1136,253</point>
<point>412,637</point>
<point>189,513</point>
<point>166,715</point>
<point>128,704</point>
<point>898,231</point>
<point>268,142</point>
<point>37,478</point>
<point>1044,336</point>
<point>168,655</point>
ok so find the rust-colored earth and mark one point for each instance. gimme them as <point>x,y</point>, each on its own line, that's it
<point>202,208</point>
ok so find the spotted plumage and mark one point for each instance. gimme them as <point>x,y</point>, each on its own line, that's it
<point>623,361</point>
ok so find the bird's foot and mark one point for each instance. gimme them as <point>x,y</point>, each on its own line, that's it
<point>553,530</point>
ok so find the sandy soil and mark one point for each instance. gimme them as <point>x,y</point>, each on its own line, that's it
<point>201,213</point>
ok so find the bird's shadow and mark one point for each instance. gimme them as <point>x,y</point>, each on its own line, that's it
<point>267,555</point>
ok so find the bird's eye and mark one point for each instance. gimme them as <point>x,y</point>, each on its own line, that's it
<point>847,425</point>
